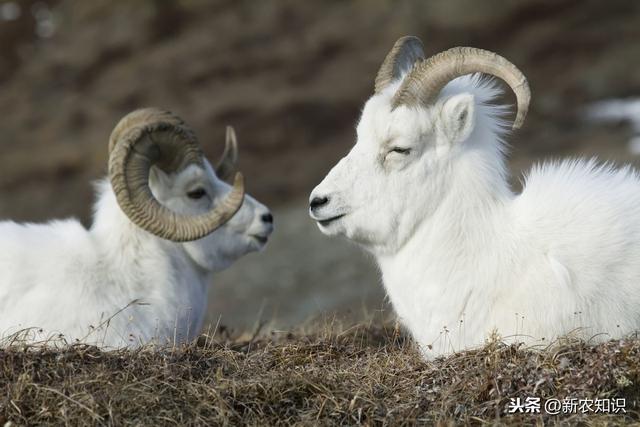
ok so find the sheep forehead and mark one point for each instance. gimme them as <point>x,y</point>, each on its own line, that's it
<point>191,174</point>
<point>375,124</point>
<point>167,185</point>
<point>379,124</point>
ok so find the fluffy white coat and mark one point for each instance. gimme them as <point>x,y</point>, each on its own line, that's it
<point>115,284</point>
<point>426,191</point>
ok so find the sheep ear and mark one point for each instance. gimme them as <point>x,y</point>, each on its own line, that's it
<point>159,177</point>
<point>457,117</point>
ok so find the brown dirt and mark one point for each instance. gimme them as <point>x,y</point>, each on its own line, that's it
<point>359,376</point>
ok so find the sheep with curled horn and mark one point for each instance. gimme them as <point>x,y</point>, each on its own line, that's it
<point>164,222</point>
<point>425,189</point>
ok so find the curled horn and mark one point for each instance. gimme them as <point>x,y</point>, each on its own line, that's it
<point>152,137</point>
<point>229,160</point>
<point>427,78</point>
<point>404,53</point>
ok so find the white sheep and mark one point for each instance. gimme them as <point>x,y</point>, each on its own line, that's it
<point>425,190</point>
<point>163,223</point>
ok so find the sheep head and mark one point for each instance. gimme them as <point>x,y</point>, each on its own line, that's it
<point>411,132</point>
<point>149,138</point>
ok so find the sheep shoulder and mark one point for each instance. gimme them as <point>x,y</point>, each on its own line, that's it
<point>54,248</point>
<point>585,216</point>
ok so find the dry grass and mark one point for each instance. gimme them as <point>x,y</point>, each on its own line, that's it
<point>365,375</point>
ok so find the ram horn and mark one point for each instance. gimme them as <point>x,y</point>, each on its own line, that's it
<point>404,53</point>
<point>152,137</point>
<point>229,160</point>
<point>427,78</point>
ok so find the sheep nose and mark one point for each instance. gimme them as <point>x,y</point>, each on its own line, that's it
<point>268,218</point>
<point>316,202</point>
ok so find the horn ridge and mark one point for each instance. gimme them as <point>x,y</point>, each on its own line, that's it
<point>425,81</point>
<point>405,52</point>
<point>152,137</point>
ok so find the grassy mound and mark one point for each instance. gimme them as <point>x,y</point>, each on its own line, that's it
<point>363,375</point>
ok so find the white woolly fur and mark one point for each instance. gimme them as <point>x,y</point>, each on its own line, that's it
<point>116,285</point>
<point>461,254</point>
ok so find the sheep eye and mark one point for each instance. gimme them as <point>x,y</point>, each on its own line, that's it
<point>401,150</point>
<point>196,194</point>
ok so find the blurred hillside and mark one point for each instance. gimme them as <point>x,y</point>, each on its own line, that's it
<point>291,77</point>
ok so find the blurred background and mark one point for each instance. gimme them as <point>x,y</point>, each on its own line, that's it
<point>291,77</point>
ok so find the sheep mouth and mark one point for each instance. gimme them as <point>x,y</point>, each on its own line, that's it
<point>260,238</point>
<point>326,222</point>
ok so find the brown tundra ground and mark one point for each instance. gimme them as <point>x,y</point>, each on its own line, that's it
<point>363,375</point>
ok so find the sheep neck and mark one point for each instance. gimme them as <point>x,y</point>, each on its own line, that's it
<point>456,250</point>
<point>147,268</point>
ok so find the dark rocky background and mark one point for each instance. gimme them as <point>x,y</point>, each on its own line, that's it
<point>291,76</point>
